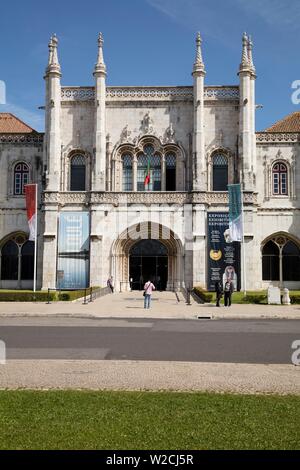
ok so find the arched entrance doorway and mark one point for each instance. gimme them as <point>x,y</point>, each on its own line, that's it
<point>147,249</point>
<point>148,260</point>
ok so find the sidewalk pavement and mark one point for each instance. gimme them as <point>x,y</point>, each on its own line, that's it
<point>164,305</point>
<point>147,375</point>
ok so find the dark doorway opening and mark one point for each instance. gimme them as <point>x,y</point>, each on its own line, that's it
<point>148,260</point>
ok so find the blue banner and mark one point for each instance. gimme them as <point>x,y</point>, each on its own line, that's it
<point>73,250</point>
<point>235,212</point>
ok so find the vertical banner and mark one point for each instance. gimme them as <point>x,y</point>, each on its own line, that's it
<point>223,255</point>
<point>31,197</point>
<point>31,209</point>
<point>73,250</point>
<point>235,213</point>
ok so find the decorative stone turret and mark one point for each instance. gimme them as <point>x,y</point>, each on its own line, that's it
<point>52,117</point>
<point>199,171</point>
<point>99,167</point>
<point>247,116</point>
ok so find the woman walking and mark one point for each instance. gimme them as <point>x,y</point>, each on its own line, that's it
<point>148,289</point>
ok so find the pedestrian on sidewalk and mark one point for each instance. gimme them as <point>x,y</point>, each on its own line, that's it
<point>110,283</point>
<point>148,289</point>
<point>219,293</point>
<point>228,290</point>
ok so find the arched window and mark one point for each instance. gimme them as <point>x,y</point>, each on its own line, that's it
<point>170,172</point>
<point>78,173</point>
<point>21,178</point>
<point>17,259</point>
<point>280,179</point>
<point>127,172</point>
<point>10,261</point>
<point>220,172</point>
<point>270,262</point>
<point>27,261</point>
<point>149,170</point>
<point>291,262</point>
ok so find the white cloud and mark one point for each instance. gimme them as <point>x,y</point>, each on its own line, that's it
<point>216,16</point>
<point>280,13</point>
<point>32,118</point>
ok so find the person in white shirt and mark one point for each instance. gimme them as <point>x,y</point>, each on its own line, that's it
<point>148,289</point>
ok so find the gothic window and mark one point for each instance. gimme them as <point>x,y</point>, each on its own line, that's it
<point>220,172</point>
<point>17,259</point>
<point>9,261</point>
<point>284,258</point>
<point>170,172</point>
<point>149,169</point>
<point>279,179</point>
<point>270,262</point>
<point>27,261</point>
<point>291,262</point>
<point>78,173</point>
<point>21,178</point>
<point>127,172</point>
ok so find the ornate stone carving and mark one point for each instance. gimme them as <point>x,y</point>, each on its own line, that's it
<point>117,198</point>
<point>169,136</point>
<point>147,124</point>
<point>267,137</point>
<point>21,138</point>
<point>125,135</point>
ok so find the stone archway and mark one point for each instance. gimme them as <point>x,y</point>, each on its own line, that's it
<point>124,244</point>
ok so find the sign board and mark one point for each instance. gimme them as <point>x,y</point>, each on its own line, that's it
<point>73,250</point>
<point>223,255</point>
<point>274,296</point>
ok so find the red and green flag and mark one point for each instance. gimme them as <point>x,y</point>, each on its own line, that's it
<point>147,174</point>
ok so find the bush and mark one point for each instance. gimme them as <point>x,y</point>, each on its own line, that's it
<point>255,299</point>
<point>295,298</point>
<point>204,295</point>
<point>26,296</point>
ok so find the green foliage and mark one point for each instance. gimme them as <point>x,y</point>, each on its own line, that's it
<point>147,420</point>
<point>41,296</point>
<point>204,295</point>
<point>295,298</point>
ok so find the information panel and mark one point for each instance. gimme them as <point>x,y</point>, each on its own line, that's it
<point>223,255</point>
<point>73,250</point>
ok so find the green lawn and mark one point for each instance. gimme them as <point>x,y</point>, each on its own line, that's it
<point>146,420</point>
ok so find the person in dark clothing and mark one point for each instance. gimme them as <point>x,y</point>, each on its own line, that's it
<point>219,293</point>
<point>228,290</point>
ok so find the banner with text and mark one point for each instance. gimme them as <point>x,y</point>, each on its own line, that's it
<point>73,250</point>
<point>223,255</point>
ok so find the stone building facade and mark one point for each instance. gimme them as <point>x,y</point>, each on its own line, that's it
<point>98,218</point>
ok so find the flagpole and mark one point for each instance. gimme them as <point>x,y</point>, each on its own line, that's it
<point>35,241</point>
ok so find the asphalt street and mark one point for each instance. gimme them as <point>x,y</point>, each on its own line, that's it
<point>222,341</point>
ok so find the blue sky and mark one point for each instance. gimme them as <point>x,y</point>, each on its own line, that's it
<point>149,42</point>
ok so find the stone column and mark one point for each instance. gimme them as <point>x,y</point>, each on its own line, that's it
<point>134,173</point>
<point>52,144</point>
<point>199,178</point>
<point>99,169</point>
<point>163,173</point>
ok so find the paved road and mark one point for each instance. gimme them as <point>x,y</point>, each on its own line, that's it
<point>222,341</point>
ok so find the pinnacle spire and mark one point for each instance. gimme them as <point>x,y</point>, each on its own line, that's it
<point>245,58</point>
<point>53,63</point>
<point>100,66</point>
<point>250,54</point>
<point>198,64</point>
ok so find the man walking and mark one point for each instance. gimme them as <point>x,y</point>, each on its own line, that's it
<point>110,284</point>
<point>228,290</point>
<point>148,289</point>
<point>219,293</point>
